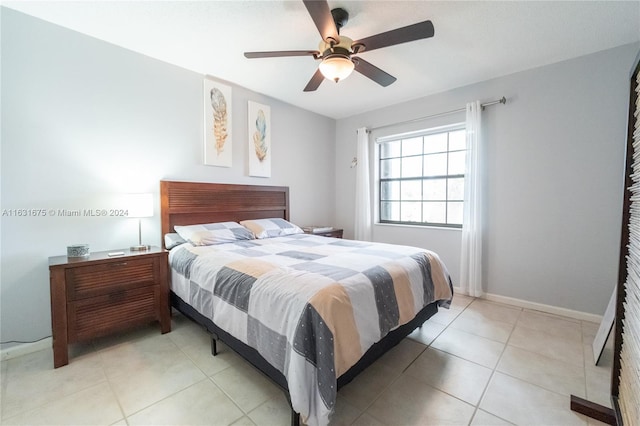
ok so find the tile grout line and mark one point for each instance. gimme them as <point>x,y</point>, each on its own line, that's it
<point>554,359</point>
<point>475,407</point>
<point>115,395</point>
<point>44,403</point>
<point>378,395</point>
<point>364,411</point>
<point>125,416</point>
<point>518,321</point>
<point>493,372</point>
<point>253,368</point>
<point>210,377</point>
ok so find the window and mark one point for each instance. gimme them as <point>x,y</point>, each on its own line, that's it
<point>422,177</point>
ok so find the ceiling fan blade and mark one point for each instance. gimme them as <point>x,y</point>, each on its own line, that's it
<point>315,81</point>
<point>374,73</point>
<point>399,35</point>
<point>321,15</point>
<point>281,53</point>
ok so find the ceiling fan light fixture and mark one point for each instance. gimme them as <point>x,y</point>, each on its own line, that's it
<point>336,67</point>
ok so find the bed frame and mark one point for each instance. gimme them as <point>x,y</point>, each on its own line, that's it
<point>188,203</point>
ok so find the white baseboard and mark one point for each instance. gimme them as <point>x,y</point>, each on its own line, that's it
<point>550,309</point>
<point>25,348</point>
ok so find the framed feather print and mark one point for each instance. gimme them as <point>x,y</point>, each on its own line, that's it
<point>218,141</point>
<point>259,127</point>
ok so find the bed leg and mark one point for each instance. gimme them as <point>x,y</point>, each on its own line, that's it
<point>214,345</point>
<point>295,418</point>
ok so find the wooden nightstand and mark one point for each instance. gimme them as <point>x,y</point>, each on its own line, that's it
<point>100,294</point>
<point>335,233</point>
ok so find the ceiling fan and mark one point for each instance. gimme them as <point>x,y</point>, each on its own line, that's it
<point>337,52</point>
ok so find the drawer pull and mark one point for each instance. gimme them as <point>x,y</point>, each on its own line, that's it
<point>117,265</point>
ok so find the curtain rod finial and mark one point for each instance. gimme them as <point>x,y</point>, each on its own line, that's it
<point>503,100</point>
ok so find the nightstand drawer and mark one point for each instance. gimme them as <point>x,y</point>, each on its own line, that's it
<point>105,278</point>
<point>102,315</point>
<point>102,294</point>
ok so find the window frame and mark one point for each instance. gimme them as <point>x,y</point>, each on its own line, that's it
<point>380,180</point>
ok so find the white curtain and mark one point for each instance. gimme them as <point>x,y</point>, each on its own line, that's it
<point>471,254</point>
<point>363,188</point>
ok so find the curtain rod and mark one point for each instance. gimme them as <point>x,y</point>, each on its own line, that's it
<point>502,100</point>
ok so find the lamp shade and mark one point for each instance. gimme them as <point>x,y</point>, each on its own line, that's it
<point>139,205</point>
<point>336,67</point>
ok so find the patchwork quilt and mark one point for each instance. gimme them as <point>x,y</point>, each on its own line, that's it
<point>310,305</point>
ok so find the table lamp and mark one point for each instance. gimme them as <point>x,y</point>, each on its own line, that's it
<point>139,206</point>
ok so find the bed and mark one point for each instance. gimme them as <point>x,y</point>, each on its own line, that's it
<point>310,312</point>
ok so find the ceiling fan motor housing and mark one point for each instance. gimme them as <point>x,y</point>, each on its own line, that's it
<point>343,46</point>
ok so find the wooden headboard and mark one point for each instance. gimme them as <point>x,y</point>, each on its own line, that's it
<point>189,203</point>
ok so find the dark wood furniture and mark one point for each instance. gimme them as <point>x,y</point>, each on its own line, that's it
<point>101,294</point>
<point>335,233</point>
<point>186,203</point>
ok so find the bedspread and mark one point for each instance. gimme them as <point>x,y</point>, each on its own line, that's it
<point>310,305</point>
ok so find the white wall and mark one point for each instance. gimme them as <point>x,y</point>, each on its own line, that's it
<point>84,121</point>
<point>554,166</point>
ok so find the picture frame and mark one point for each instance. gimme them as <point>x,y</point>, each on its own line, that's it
<point>218,137</point>
<point>259,131</point>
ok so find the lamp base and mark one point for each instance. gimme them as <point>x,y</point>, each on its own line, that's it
<point>142,247</point>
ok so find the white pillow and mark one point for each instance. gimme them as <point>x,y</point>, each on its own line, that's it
<point>207,234</point>
<point>172,240</point>
<point>268,228</point>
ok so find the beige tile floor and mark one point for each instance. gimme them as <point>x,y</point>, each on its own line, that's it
<point>479,363</point>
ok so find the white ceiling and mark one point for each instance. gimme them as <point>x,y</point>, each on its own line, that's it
<point>474,41</point>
